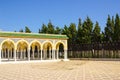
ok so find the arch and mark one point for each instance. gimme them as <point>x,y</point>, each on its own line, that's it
<point>35,48</point>
<point>8,47</point>
<point>24,44</point>
<point>58,43</point>
<point>22,47</point>
<point>45,43</point>
<point>60,48</point>
<point>47,48</point>
<point>22,40</point>
<point>7,40</point>
<point>35,41</point>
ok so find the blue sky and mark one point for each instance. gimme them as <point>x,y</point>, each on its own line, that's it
<point>16,14</point>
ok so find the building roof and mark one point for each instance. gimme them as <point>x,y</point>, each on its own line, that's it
<point>31,35</point>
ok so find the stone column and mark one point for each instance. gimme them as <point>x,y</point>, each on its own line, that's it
<point>21,54</point>
<point>28,54</point>
<point>11,53</point>
<point>0,55</point>
<point>57,54</point>
<point>53,54</point>
<point>15,54</point>
<point>49,53</point>
<point>44,54</point>
<point>17,51</point>
<point>5,53</point>
<point>38,53</point>
<point>24,54</point>
<point>33,53</point>
<point>41,54</point>
<point>8,53</point>
<point>65,54</point>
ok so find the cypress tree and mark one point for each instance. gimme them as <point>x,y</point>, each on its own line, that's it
<point>44,29</point>
<point>87,30</point>
<point>96,33</point>
<point>79,32</point>
<point>72,33</point>
<point>117,28</point>
<point>50,28</point>
<point>27,30</point>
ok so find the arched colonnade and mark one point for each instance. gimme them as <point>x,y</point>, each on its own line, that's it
<point>32,50</point>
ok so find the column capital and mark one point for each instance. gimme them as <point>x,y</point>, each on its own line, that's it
<point>28,48</point>
<point>15,48</point>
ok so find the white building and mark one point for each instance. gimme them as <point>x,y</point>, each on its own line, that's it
<point>16,46</point>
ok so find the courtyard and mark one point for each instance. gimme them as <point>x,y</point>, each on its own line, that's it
<point>69,70</point>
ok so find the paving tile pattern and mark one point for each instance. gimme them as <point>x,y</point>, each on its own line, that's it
<point>71,70</point>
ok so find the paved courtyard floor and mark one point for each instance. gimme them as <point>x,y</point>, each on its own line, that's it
<point>70,70</point>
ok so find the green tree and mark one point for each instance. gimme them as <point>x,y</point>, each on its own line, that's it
<point>39,31</point>
<point>102,36</point>
<point>21,30</point>
<point>117,28</point>
<point>96,36</point>
<point>58,30</point>
<point>113,27</point>
<point>72,33</point>
<point>44,29</point>
<point>109,29</point>
<point>79,32</point>
<point>65,30</point>
<point>27,30</point>
<point>50,28</point>
<point>87,30</point>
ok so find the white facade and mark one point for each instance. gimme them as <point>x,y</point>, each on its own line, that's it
<point>29,49</point>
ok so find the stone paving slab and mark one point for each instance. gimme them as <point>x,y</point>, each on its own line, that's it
<point>70,70</point>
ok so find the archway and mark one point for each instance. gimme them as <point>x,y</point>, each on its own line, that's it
<point>35,49</point>
<point>8,48</point>
<point>22,50</point>
<point>47,51</point>
<point>59,50</point>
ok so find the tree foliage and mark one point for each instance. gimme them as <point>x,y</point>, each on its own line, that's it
<point>21,30</point>
<point>109,29</point>
<point>72,33</point>
<point>50,28</point>
<point>27,30</point>
<point>117,28</point>
<point>86,31</point>
<point>96,36</point>
<point>58,30</point>
<point>79,32</point>
<point>44,29</point>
